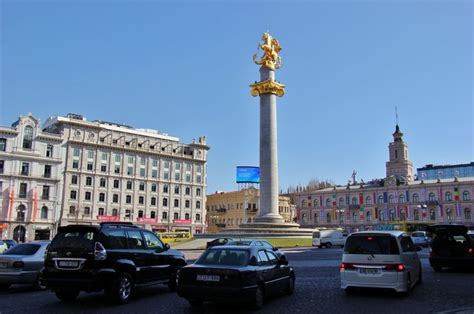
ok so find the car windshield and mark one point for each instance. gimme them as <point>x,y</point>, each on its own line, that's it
<point>239,242</point>
<point>224,257</point>
<point>371,244</point>
<point>83,239</point>
<point>23,249</point>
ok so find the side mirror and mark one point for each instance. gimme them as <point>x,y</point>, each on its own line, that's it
<point>418,248</point>
<point>282,261</point>
<point>167,246</point>
<point>274,248</point>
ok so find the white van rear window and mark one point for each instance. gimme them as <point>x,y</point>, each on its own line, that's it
<point>371,244</point>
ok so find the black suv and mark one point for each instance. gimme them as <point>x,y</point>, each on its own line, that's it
<point>117,257</point>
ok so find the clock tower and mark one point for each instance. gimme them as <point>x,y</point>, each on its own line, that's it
<point>399,166</point>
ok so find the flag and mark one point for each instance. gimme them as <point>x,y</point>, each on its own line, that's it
<point>458,209</point>
<point>321,200</point>
<point>440,208</point>
<point>440,194</point>
<point>407,196</point>
<point>375,198</point>
<point>321,215</point>
<point>456,194</point>
<point>334,214</point>
<point>385,197</point>
<point>12,200</point>
<point>407,209</point>
<point>334,200</point>
<point>361,198</point>
<point>35,203</point>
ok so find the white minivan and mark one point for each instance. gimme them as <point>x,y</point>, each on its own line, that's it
<point>329,237</point>
<point>380,259</point>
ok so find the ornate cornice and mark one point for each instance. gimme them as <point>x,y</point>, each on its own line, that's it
<point>267,87</point>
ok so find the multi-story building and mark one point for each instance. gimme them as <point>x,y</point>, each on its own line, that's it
<point>228,210</point>
<point>30,180</point>
<point>114,172</point>
<point>433,172</point>
<point>396,201</point>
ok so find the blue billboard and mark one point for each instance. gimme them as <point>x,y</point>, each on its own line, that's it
<point>248,174</point>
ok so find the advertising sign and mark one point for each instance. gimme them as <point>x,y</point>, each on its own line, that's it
<point>247,174</point>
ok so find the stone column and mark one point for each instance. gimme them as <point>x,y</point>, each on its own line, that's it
<point>268,209</point>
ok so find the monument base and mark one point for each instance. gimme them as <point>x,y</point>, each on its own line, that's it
<point>264,228</point>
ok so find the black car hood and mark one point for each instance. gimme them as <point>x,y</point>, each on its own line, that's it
<point>175,252</point>
<point>448,229</point>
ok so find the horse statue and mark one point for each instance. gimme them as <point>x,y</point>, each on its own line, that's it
<point>271,48</point>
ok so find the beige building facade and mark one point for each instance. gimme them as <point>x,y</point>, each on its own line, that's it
<point>229,210</point>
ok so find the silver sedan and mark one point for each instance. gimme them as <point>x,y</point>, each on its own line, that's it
<point>22,264</point>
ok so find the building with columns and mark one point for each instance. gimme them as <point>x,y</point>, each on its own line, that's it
<point>30,180</point>
<point>114,172</point>
<point>229,210</point>
<point>395,202</point>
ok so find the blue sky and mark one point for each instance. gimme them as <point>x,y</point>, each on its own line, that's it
<point>184,68</point>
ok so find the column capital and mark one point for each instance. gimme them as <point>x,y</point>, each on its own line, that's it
<point>267,87</point>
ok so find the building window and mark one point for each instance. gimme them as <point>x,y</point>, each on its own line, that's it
<point>448,196</point>
<point>153,201</point>
<point>73,179</point>
<point>75,164</point>
<point>28,137</point>
<point>114,212</point>
<point>115,198</point>
<point>176,203</point>
<point>88,196</point>
<point>118,158</point>
<point>141,200</point>
<point>154,173</point>
<point>198,218</point>
<point>87,211</point>
<point>88,181</point>
<point>198,204</point>
<point>165,188</point>
<point>401,199</point>
<point>166,175</point>
<point>368,216</point>
<point>176,189</point>
<point>129,170</point>
<point>2,166</point>
<point>90,154</point>
<point>177,176</point>
<point>129,185</point>
<point>141,186</point>
<point>391,215</point>
<point>140,214</point>
<point>355,201</point>
<point>76,152</point>
<point>188,177</point>
<point>368,200</point>
<point>117,169</point>
<point>186,204</point>
<point>341,201</point>
<point>153,187</point>
<point>103,167</point>
<point>143,161</point>
<point>116,184</point>
<point>44,212</point>
<point>72,210</point>
<point>416,215</point>
<point>328,202</point>
<point>198,192</point>
<point>152,214</point>
<point>432,214</point>
<point>198,178</point>
<point>390,199</point>
<point>467,213</point>
<point>3,144</point>
<point>315,203</point>
<point>45,194</point>
<point>130,160</point>
<point>49,151</point>
<point>155,162</point>
<point>164,216</point>
<point>415,198</point>
<point>128,213</point>
<point>101,211</point>
<point>355,216</point>
<point>380,199</point>
<point>142,172</point>
<point>102,197</point>
<point>104,156</point>
<point>176,216</point>
<point>432,197</point>
<point>186,216</point>
<point>165,202</point>
<point>128,199</point>
<point>466,196</point>
<point>102,183</point>
<point>403,215</point>
<point>23,190</point>
<point>90,166</point>
<point>25,168</point>
<point>449,214</point>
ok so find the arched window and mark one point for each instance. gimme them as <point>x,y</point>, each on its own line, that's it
<point>432,214</point>
<point>467,213</point>
<point>328,218</point>
<point>403,215</point>
<point>380,199</point>
<point>165,202</point>
<point>303,219</point>
<point>415,198</point>
<point>44,212</point>
<point>354,201</point>
<point>416,215</point>
<point>449,214</point>
<point>354,216</point>
<point>341,217</point>
<point>390,199</point>
<point>20,213</point>
<point>341,201</point>
<point>198,192</point>
<point>187,191</point>
<point>198,204</point>
<point>368,216</point>
<point>466,196</point>
<point>328,202</point>
<point>316,218</point>
<point>303,203</point>
<point>448,196</point>
<point>391,215</point>
<point>176,203</point>
<point>186,216</point>
<point>368,200</point>
<point>28,137</point>
<point>381,215</point>
<point>186,204</point>
<point>431,196</point>
<point>401,199</point>
<point>315,202</point>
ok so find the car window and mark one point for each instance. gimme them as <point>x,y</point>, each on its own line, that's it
<point>407,244</point>
<point>417,234</point>
<point>152,241</point>
<point>84,239</point>
<point>262,258</point>
<point>371,244</point>
<point>114,239</point>
<point>266,244</point>
<point>224,257</point>
<point>272,258</point>
<point>135,240</point>
<point>23,249</point>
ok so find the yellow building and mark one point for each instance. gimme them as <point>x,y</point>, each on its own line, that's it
<point>228,210</point>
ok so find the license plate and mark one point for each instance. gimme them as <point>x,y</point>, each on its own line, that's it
<point>3,265</point>
<point>369,271</point>
<point>208,278</point>
<point>68,263</point>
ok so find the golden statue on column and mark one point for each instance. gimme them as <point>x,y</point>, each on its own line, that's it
<point>271,48</point>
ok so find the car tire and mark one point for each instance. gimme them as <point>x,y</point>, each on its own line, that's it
<point>172,284</point>
<point>290,288</point>
<point>438,268</point>
<point>67,295</point>
<point>122,288</point>
<point>258,298</point>
<point>328,245</point>
<point>39,285</point>
<point>196,303</point>
<point>4,286</point>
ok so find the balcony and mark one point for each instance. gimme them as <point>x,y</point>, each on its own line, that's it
<point>220,225</point>
<point>221,210</point>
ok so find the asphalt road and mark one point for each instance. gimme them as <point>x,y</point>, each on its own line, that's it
<point>317,291</point>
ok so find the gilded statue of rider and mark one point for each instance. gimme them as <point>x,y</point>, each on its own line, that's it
<point>271,48</point>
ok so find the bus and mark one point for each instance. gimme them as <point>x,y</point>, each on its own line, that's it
<point>173,237</point>
<point>403,226</point>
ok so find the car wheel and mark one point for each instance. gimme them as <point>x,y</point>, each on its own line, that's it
<point>257,302</point>
<point>437,268</point>
<point>195,302</point>
<point>39,284</point>
<point>67,295</point>
<point>122,288</point>
<point>328,245</point>
<point>172,284</point>
<point>4,286</point>
<point>290,288</point>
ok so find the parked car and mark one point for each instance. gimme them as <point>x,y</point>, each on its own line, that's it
<point>22,264</point>
<point>235,273</point>
<point>257,243</point>
<point>3,246</point>
<point>329,237</point>
<point>451,247</point>
<point>10,243</point>
<point>218,241</point>
<point>421,238</point>
<point>380,259</point>
<point>117,257</point>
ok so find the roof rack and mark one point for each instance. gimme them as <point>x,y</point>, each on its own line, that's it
<point>117,224</point>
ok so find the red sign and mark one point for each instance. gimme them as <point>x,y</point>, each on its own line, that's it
<point>108,218</point>
<point>149,220</point>
<point>181,221</point>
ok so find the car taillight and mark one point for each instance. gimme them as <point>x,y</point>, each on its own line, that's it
<point>347,266</point>
<point>470,252</point>
<point>100,254</point>
<point>395,267</point>
<point>18,264</point>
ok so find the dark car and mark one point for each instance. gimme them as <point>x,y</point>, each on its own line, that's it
<point>451,247</point>
<point>257,243</point>
<point>116,257</point>
<point>22,264</point>
<point>218,241</point>
<point>235,273</point>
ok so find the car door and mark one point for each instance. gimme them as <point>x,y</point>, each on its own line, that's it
<point>139,255</point>
<point>409,256</point>
<point>280,272</point>
<point>159,261</point>
<point>266,270</point>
